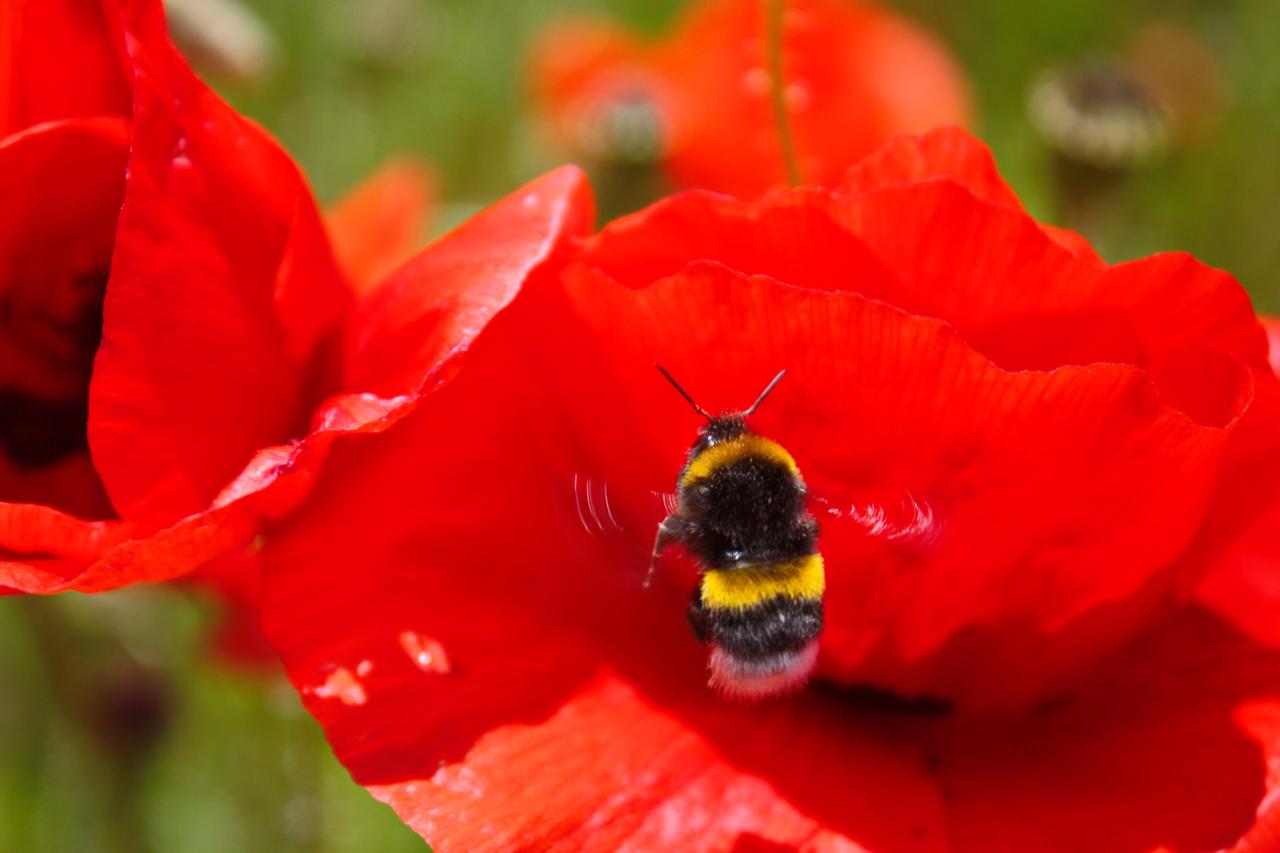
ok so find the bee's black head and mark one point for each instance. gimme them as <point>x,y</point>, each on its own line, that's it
<point>721,429</point>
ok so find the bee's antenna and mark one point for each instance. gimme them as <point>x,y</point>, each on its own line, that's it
<point>685,394</point>
<point>765,392</point>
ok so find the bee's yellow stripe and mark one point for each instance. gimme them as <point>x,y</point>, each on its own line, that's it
<point>719,455</point>
<point>802,578</point>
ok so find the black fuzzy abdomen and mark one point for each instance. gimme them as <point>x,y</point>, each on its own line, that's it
<point>753,633</point>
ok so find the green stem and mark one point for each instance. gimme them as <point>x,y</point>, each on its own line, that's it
<point>778,90</point>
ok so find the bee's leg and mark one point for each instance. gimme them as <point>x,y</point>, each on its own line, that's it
<point>698,618</point>
<point>669,530</point>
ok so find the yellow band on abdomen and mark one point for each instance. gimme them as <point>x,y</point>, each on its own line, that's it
<point>719,455</point>
<point>802,578</point>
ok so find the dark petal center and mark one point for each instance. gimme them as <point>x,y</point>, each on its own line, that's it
<point>36,433</point>
<point>53,331</point>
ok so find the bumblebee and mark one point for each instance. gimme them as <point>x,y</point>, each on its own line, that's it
<point>740,510</point>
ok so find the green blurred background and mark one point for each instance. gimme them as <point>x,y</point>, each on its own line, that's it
<point>359,79</point>
<point>119,732</point>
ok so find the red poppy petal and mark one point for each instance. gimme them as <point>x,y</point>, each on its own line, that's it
<point>28,528</point>
<point>609,770</point>
<point>82,77</point>
<point>984,267</point>
<point>436,304</point>
<point>1110,773</point>
<point>59,552</point>
<point>221,285</point>
<point>786,236</point>
<point>1015,479</point>
<point>379,224</point>
<point>1244,586</point>
<point>1172,764</point>
<point>945,152</point>
<point>978,263</point>
<point>949,152</point>
<point>1167,748</point>
<point>1073,242</point>
<point>1272,325</point>
<point>1025,302</point>
<point>1261,721</point>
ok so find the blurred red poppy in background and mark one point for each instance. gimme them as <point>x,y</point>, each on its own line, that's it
<point>700,101</point>
<point>1024,462</point>
<point>178,336</point>
<point>381,223</point>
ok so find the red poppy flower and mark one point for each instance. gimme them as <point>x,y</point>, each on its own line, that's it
<point>205,275</point>
<point>700,101</point>
<point>231,353</point>
<point>1022,461</point>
